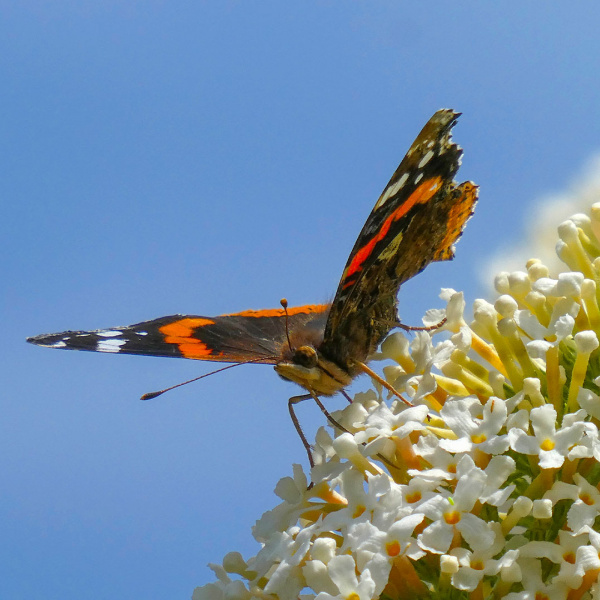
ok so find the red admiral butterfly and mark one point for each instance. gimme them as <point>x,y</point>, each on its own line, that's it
<point>323,347</point>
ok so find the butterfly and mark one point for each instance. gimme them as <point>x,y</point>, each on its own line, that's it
<point>416,220</point>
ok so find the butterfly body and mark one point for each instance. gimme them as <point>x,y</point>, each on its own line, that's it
<point>416,220</point>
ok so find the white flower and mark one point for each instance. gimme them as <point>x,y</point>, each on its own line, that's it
<point>342,572</point>
<point>586,502</point>
<point>224,589</point>
<point>589,401</point>
<point>550,445</point>
<point>450,514</point>
<point>534,585</point>
<point>473,566</point>
<point>393,541</point>
<point>382,422</point>
<point>587,557</point>
<point>475,426</point>
<point>562,554</point>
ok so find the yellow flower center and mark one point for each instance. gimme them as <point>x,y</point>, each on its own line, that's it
<point>393,548</point>
<point>569,557</point>
<point>478,438</point>
<point>586,498</point>
<point>547,445</point>
<point>359,510</point>
<point>452,518</point>
<point>414,497</point>
<point>353,596</point>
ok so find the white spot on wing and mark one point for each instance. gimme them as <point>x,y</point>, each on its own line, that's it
<point>59,344</point>
<point>400,183</point>
<point>426,159</point>
<point>392,190</point>
<point>418,178</point>
<point>141,332</point>
<point>109,333</point>
<point>109,345</point>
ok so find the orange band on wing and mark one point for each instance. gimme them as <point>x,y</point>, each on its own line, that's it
<point>421,195</point>
<point>180,334</point>
<point>279,312</point>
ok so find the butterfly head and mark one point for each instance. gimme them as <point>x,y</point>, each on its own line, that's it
<point>305,356</point>
<point>305,366</point>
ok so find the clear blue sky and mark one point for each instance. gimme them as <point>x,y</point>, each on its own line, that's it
<point>207,157</point>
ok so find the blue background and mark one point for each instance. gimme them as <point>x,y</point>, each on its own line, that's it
<point>208,157</point>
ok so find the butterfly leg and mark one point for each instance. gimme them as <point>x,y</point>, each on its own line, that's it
<point>345,394</point>
<point>381,381</point>
<point>328,414</point>
<point>291,402</point>
<point>295,400</point>
<point>400,325</point>
<point>336,424</point>
<point>428,328</point>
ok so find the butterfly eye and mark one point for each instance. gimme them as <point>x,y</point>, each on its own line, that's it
<point>305,356</point>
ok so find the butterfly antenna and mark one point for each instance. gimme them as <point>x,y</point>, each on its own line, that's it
<point>151,395</point>
<point>284,304</point>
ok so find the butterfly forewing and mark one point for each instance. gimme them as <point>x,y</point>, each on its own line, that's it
<point>250,335</point>
<point>419,215</point>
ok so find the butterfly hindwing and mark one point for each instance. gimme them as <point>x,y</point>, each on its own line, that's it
<point>252,335</point>
<point>416,220</point>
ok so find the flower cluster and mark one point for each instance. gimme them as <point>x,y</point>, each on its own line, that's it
<point>484,485</point>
